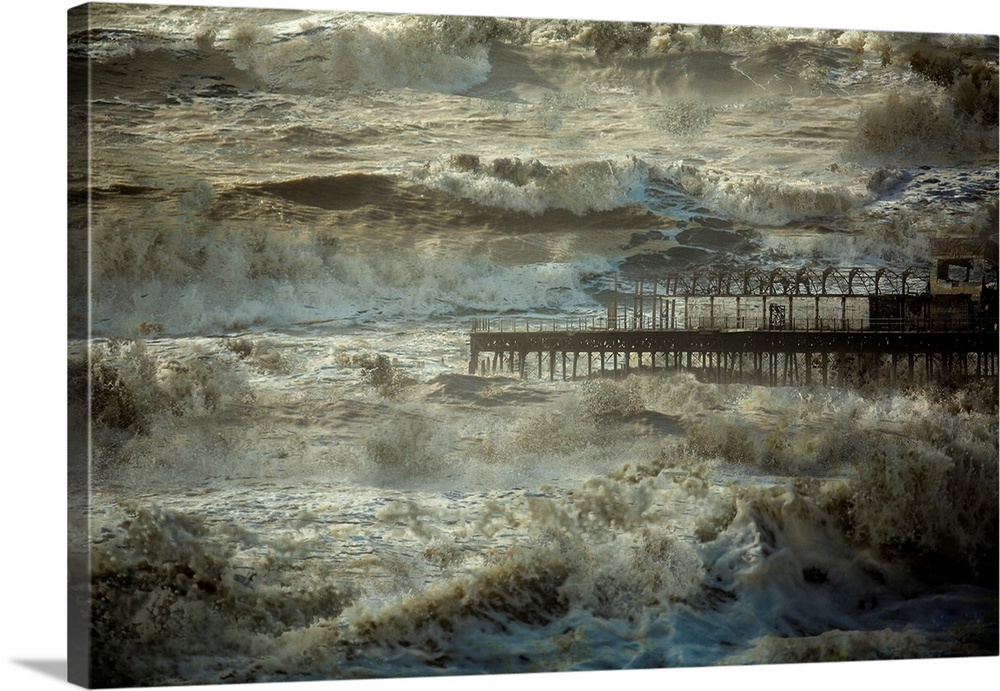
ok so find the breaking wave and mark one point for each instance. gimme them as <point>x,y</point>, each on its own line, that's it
<point>173,282</point>
<point>532,187</point>
<point>759,199</point>
<point>368,54</point>
<point>829,565</point>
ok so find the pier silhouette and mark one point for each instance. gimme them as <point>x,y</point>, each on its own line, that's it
<point>784,326</point>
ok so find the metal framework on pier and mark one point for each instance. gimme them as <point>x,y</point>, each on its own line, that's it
<point>810,281</point>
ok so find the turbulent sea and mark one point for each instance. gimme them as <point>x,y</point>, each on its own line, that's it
<point>290,221</point>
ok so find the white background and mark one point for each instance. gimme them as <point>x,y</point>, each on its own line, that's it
<point>33,359</point>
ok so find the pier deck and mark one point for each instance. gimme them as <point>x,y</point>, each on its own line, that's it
<point>740,356</point>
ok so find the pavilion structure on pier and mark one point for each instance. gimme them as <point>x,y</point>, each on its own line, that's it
<point>783,326</point>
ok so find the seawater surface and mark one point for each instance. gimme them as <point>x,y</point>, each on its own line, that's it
<point>292,219</point>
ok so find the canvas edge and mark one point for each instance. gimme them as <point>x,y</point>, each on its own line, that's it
<point>78,668</point>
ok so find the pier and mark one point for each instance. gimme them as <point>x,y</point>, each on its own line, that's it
<point>780,327</point>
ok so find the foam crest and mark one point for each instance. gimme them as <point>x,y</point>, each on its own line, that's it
<point>920,467</point>
<point>408,448</point>
<point>177,281</point>
<point>532,187</point>
<point>566,559</point>
<point>135,392</point>
<point>179,584</point>
<point>906,127</point>
<point>520,586</point>
<point>760,199</point>
<point>652,569</point>
<point>368,53</point>
<point>834,646</point>
<point>933,495</point>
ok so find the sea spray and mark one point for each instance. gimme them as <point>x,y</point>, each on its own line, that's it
<point>255,284</point>
<point>188,586</point>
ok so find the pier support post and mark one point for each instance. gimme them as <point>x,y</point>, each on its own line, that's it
<point>473,361</point>
<point>886,357</point>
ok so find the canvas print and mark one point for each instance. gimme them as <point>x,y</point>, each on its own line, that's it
<point>418,345</point>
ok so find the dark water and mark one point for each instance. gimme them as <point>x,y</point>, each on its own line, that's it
<point>280,197</point>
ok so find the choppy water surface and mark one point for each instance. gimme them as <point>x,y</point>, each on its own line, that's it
<point>297,215</point>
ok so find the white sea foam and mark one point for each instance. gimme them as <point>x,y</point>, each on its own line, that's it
<point>344,288</point>
<point>371,54</point>
<point>532,187</point>
<point>761,199</point>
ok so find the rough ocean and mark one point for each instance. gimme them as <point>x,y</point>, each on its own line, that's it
<point>290,221</point>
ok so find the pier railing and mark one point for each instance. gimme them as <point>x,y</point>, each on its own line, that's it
<point>526,324</point>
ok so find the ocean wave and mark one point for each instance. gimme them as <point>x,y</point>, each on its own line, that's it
<point>506,195</point>
<point>184,283</point>
<point>367,53</point>
<point>128,392</point>
<point>922,480</point>
<point>112,43</point>
<point>669,539</point>
<point>758,198</point>
<point>177,585</point>
<point>532,187</point>
<point>906,127</point>
<point>337,192</point>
